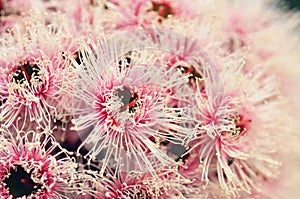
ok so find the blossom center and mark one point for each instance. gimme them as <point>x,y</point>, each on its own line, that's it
<point>20,183</point>
<point>163,9</point>
<point>242,124</point>
<point>26,72</point>
<point>128,99</point>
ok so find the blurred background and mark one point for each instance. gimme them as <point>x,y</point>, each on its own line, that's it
<point>293,4</point>
<point>294,82</point>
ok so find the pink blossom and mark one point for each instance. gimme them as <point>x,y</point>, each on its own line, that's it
<point>132,14</point>
<point>30,169</point>
<point>230,132</point>
<point>161,184</point>
<point>30,83</point>
<point>126,106</point>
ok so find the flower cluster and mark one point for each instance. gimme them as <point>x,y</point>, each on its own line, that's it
<point>145,99</point>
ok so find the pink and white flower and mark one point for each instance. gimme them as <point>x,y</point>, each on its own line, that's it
<point>126,106</point>
<point>163,184</point>
<point>126,15</point>
<point>235,119</point>
<point>34,73</point>
<point>30,169</point>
